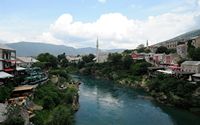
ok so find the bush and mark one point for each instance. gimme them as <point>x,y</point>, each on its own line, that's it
<point>5,92</point>
<point>15,120</point>
<point>61,116</point>
<point>140,68</point>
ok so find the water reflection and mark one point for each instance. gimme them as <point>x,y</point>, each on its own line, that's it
<point>105,103</point>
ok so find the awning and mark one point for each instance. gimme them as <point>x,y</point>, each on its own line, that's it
<point>20,68</point>
<point>25,87</point>
<point>8,69</point>
<point>4,75</point>
<point>196,75</point>
<point>166,71</point>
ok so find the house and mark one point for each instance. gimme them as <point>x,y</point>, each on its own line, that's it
<point>7,59</point>
<point>182,50</point>
<point>74,59</point>
<point>137,56</point>
<point>191,66</point>
<point>7,63</point>
<point>25,61</point>
<point>196,41</point>
<point>196,77</point>
<point>158,58</point>
<point>171,59</point>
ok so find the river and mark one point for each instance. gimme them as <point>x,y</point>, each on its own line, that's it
<point>105,103</point>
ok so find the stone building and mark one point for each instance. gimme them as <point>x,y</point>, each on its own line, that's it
<point>191,66</point>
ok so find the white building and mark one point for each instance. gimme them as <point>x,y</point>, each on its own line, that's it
<point>100,56</point>
<point>74,59</point>
<point>26,61</point>
<point>191,66</point>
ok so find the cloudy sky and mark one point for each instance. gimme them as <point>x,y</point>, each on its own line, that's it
<point>78,23</point>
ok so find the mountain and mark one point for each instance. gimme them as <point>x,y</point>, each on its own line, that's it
<point>33,49</point>
<point>186,36</point>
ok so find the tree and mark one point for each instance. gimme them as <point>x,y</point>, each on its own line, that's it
<point>62,116</point>
<point>126,52</point>
<point>127,61</point>
<point>88,58</point>
<point>62,60</point>
<point>48,58</point>
<point>5,92</point>
<point>162,49</point>
<point>195,54</point>
<point>140,68</point>
<point>140,46</point>
<point>115,58</point>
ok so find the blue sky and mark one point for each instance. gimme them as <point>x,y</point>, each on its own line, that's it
<point>33,20</point>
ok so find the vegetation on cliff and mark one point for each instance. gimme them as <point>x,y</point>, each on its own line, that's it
<point>58,96</point>
<point>119,67</point>
<point>175,91</point>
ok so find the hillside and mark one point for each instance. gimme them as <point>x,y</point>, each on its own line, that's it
<point>33,49</point>
<point>187,35</point>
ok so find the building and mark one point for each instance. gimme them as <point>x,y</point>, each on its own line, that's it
<point>153,48</point>
<point>191,66</point>
<point>101,57</point>
<point>74,59</point>
<point>196,41</point>
<point>137,56</point>
<point>25,61</point>
<point>158,58</point>
<point>182,50</point>
<point>171,59</point>
<point>7,63</point>
<point>7,59</point>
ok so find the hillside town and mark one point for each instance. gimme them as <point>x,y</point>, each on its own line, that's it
<point>178,63</point>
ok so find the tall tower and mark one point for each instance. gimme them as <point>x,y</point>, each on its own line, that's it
<point>147,44</point>
<point>97,51</point>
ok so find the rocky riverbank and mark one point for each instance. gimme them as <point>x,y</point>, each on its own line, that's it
<point>170,97</point>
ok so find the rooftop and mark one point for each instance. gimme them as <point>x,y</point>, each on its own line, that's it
<point>27,59</point>
<point>25,87</point>
<point>196,75</point>
<point>191,63</point>
<point>4,75</point>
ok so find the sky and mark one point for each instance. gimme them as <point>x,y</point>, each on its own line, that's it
<point>78,23</point>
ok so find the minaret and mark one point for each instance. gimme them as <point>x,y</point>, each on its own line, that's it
<point>147,44</point>
<point>97,51</point>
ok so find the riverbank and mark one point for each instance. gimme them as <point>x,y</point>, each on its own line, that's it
<point>59,100</point>
<point>166,90</point>
<point>105,103</point>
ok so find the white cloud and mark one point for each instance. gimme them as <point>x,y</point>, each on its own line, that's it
<point>117,31</point>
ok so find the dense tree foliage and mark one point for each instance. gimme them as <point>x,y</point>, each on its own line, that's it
<point>140,68</point>
<point>178,92</point>
<point>163,49</point>
<point>48,59</point>
<point>5,92</point>
<point>195,54</point>
<point>88,58</point>
<point>119,67</point>
<point>52,98</point>
<point>61,116</point>
<point>62,60</point>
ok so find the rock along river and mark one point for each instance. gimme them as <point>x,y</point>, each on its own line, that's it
<point>105,103</point>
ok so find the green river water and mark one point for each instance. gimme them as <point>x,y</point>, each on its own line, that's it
<point>105,103</point>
